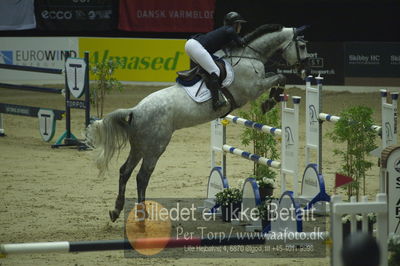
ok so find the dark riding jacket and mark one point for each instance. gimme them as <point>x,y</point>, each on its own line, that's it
<point>218,38</point>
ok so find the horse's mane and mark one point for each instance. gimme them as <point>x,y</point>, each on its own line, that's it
<point>261,30</point>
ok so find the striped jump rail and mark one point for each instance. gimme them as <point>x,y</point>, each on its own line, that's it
<point>251,156</point>
<point>124,244</point>
<point>56,71</point>
<point>289,134</point>
<point>335,119</point>
<point>30,88</point>
<point>32,69</point>
<point>257,126</point>
<point>25,110</point>
<point>149,243</point>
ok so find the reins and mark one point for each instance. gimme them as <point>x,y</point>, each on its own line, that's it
<point>245,57</point>
<point>273,63</point>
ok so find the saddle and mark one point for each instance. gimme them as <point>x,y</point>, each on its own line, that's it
<point>196,74</point>
<point>193,75</point>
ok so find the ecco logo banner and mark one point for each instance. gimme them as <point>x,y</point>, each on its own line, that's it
<point>76,15</point>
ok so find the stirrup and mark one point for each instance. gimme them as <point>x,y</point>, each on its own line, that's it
<point>218,105</point>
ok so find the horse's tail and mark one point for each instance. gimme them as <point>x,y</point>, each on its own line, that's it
<point>108,136</point>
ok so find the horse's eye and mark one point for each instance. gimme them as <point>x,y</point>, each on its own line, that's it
<point>302,46</point>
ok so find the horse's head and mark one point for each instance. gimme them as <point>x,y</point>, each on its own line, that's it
<point>295,53</point>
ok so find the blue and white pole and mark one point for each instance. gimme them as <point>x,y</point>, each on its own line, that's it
<point>257,126</point>
<point>251,156</point>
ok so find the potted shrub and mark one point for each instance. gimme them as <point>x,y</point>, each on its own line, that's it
<point>394,249</point>
<point>229,200</point>
<point>266,185</point>
<point>347,224</point>
<point>264,211</point>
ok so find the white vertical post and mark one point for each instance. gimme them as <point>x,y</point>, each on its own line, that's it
<point>389,119</point>
<point>353,220</point>
<point>2,132</point>
<point>319,152</point>
<point>336,232</point>
<point>365,222</point>
<point>218,139</point>
<point>313,125</point>
<point>389,129</point>
<point>391,167</point>
<point>382,228</point>
<point>290,142</point>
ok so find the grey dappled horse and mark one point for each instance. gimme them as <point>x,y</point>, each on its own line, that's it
<point>149,125</point>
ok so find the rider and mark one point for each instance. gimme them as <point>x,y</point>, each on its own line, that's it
<point>200,48</point>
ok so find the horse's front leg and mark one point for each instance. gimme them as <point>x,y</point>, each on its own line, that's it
<point>276,84</point>
<point>267,83</point>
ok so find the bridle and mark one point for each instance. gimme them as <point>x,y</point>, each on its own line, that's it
<point>279,54</point>
<point>295,39</point>
<point>278,62</point>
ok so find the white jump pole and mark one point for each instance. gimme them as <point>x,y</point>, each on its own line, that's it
<point>38,247</point>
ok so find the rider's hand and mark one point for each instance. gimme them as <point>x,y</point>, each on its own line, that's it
<point>242,42</point>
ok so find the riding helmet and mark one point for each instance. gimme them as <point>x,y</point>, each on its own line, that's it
<point>233,17</point>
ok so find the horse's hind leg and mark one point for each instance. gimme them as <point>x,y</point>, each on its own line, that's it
<point>143,177</point>
<point>124,174</point>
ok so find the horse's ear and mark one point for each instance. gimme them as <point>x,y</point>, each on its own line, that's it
<point>300,30</point>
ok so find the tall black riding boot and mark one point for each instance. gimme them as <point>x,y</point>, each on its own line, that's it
<point>213,85</point>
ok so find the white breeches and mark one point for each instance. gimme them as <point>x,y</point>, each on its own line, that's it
<point>199,55</point>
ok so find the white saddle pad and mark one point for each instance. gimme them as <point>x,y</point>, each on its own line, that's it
<point>199,91</point>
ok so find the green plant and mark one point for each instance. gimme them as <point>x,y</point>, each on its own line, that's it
<point>105,83</point>
<point>266,181</point>
<point>394,249</point>
<point>228,196</point>
<point>264,209</point>
<point>263,144</point>
<point>355,130</point>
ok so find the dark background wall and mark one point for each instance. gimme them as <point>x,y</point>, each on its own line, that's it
<point>354,42</point>
<point>339,20</point>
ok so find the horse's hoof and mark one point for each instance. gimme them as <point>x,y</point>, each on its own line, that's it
<point>267,105</point>
<point>113,215</point>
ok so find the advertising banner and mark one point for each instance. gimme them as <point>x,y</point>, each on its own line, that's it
<point>372,59</point>
<point>326,59</point>
<point>150,60</point>
<point>46,52</point>
<point>166,16</point>
<point>76,15</point>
